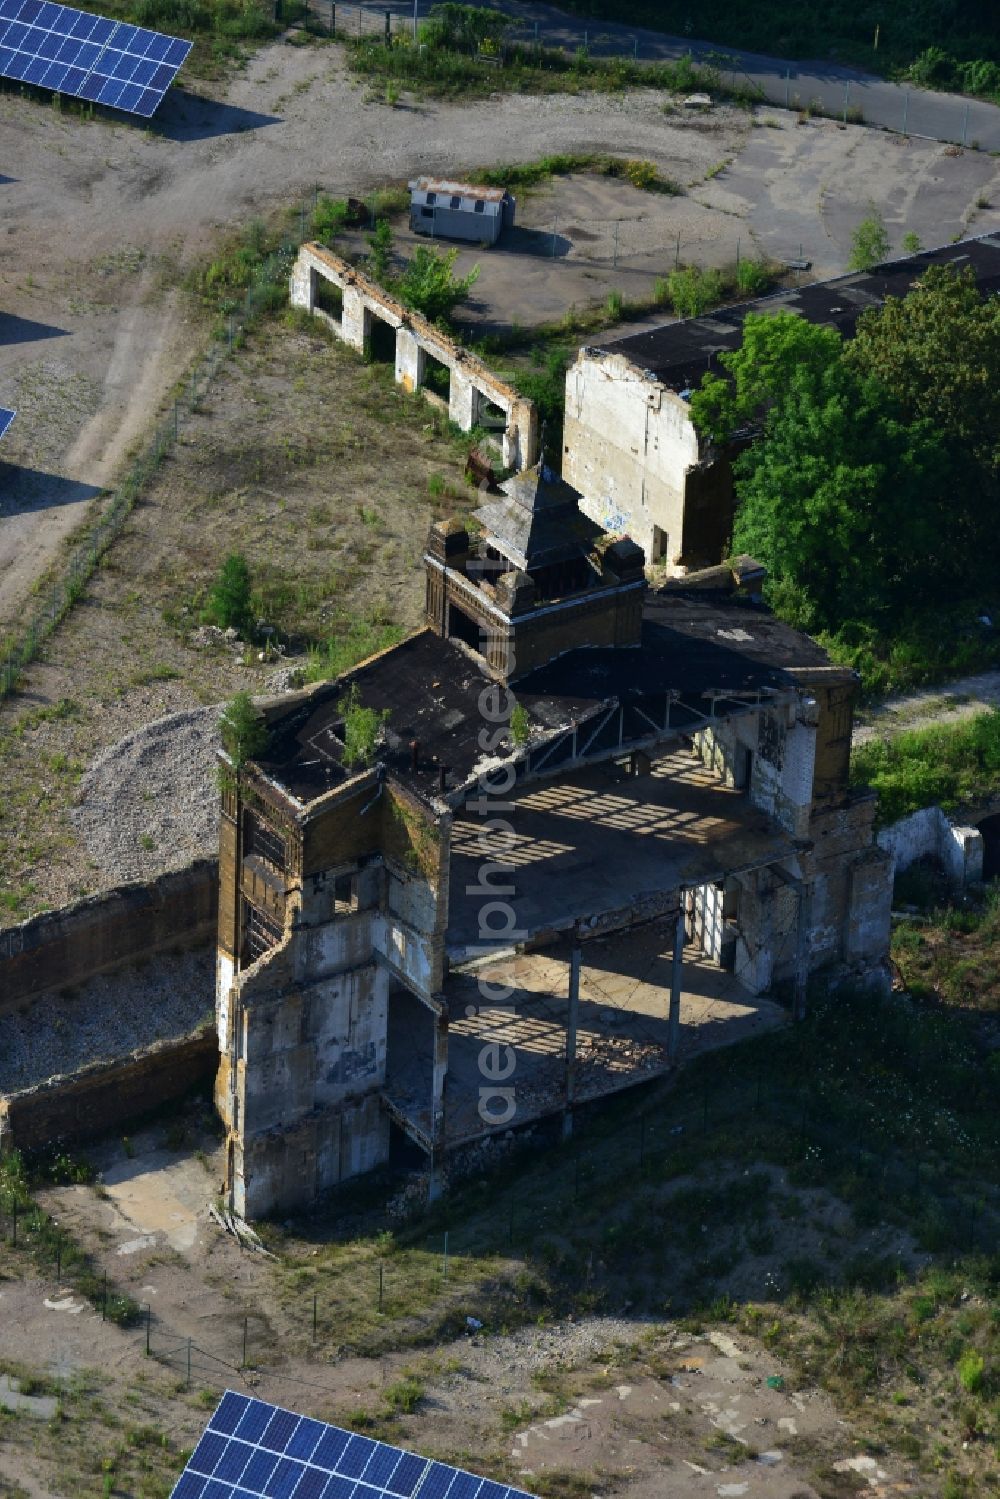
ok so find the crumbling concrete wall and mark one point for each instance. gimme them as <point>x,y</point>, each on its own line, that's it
<point>107,1095</point>
<point>304,1031</point>
<point>930,832</point>
<point>125,925</point>
<point>629,447</point>
<point>471,383</point>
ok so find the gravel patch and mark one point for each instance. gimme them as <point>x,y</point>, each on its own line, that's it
<point>106,1018</point>
<point>150,803</point>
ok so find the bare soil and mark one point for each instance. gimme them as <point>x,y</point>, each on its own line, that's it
<point>104,218</point>
<point>326,477</point>
<point>609,1404</point>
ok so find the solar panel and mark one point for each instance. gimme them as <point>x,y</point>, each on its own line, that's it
<point>253,1450</point>
<point>92,57</point>
<point>6,417</point>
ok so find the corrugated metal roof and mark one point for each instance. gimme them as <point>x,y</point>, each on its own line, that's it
<point>463,189</point>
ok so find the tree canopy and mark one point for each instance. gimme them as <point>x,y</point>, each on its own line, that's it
<point>870,489</point>
<point>938,350</point>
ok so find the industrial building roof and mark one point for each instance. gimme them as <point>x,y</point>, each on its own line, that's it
<point>693,643</point>
<point>678,354</point>
<point>536,520</point>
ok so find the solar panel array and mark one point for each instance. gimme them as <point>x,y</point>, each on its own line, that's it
<point>91,57</point>
<point>6,417</point>
<point>252,1450</point>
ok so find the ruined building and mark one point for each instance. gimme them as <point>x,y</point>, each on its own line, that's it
<point>601,823</point>
<point>630,446</point>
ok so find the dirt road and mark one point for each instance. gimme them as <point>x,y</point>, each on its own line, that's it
<point>103,220</point>
<point>931,706</point>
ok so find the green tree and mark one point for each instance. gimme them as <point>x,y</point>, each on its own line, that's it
<point>869,242</point>
<point>842,500</point>
<point>242,730</point>
<point>380,259</point>
<point>911,243</point>
<point>775,348</point>
<point>228,604</point>
<point>938,350</point>
<point>429,284</point>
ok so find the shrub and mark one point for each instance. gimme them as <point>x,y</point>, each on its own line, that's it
<point>362,727</point>
<point>642,174</point>
<point>693,290</point>
<point>242,730</point>
<point>463,28</point>
<point>869,243</point>
<point>380,242</point>
<point>520,725</point>
<point>228,603</point>
<point>614,304</point>
<point>753,278</point>
<point>328,218</point>
<point>971,1370</point>
<point>429,284</point>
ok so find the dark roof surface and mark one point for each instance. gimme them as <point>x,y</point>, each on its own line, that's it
<point>692,643</point>
<point>678,354</point>
<point>537,521</point>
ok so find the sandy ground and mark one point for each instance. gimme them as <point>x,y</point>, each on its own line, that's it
<point>102,219</point>
<point>641,1406</point>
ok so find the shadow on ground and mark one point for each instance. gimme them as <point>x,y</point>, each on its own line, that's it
<point>187,117</point>
<point>22,330</point>
<point>26,489</point>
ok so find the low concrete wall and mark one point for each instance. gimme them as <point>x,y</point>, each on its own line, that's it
<point>106,1096</point>
<point>471,382</point>
<point>929,832</point>
<point>125,925</point>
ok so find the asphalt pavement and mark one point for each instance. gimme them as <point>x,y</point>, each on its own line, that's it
<point>834,87</point>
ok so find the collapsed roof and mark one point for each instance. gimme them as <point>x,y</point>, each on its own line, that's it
<point>701,646</point>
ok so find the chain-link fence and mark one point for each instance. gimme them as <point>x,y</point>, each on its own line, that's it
<point>472,1262</point>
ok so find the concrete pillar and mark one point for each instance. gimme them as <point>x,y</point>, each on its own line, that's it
<point>676,973</point>
<point>572,1021</point>
<point>802,949</point>
<point>463,399</point>
<point>354,319</point>
<point>438,1076</point>
<point>302,284</point>
<point>411,361</point>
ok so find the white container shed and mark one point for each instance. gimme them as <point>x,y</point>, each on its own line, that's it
<point>459,210</point>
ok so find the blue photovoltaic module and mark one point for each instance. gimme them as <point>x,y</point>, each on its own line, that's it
<point>91,57</point>
<point>6,417</point>
<point>252,1450</point>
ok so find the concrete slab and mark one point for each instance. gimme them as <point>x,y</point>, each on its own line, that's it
<point>621,1039</point>
<point>598,842</point>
